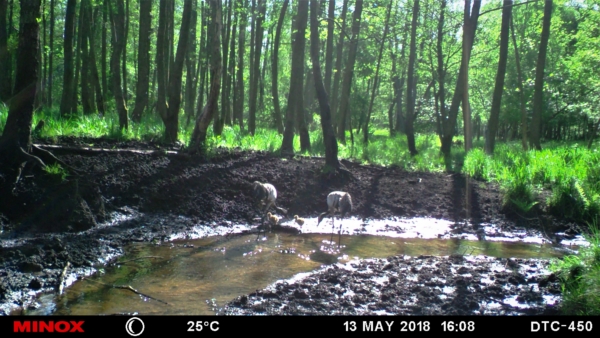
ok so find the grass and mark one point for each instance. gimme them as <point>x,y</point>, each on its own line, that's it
<point>570,171</point>
<point>579,276</point>
<point>56,170</point>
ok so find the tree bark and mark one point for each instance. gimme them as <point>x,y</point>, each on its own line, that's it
<point>191,78</point>
<point>171,119</point>
<point>239,93</point>
<point>256,66</point>
<point>449,122</point>
<point>66,100</point>
<point>5,80</point>
<point>275,69</point>
<point>15,142</point>
<point>338,69</point>
<point>538,94</point>
<point>499,86</point>
<point>105,24</point>
<point>143,80</point>
<point>349,72</point>
<point>118,32</point>
<point>295,108</point>
<point>410,83</point>
<point>331,148</point>
<point>329,52</point>
<point>198,141</point>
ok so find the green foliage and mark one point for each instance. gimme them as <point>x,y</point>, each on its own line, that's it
<point>56,170</point>
<point>580,277</point>
<point>570,172</point>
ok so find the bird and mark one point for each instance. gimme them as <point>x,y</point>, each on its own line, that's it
<point>337,201</point>
<point>273,220</point>
<point>265,195</point>
<point>299,220</point>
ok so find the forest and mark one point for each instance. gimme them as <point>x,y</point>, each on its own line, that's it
<point>478,111</point>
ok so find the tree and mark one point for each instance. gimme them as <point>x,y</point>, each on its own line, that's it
<point>295,108</point>
<point>275,68</point>
<point>197,143</point>
<point>171,118</point>
<point>331,149</point>
<point>349,72</point>
<point>15,142</point>
<point>383,40</point>
<point>538,94</point>
<point>255,66</point>
<point>449,122</point>
<point>68,85</point>
<point>5,80</point>
<point>498,88</point>
<point>410,83</point>
<point>118,38</point>
<point>143,81</point>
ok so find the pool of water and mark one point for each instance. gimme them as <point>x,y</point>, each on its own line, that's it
<point>197,275</point>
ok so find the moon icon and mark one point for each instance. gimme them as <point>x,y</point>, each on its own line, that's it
<point>129,329</point>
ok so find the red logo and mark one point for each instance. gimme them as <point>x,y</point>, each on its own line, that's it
<point>61,326</point>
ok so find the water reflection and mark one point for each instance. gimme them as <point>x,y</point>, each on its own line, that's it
<point>195,276</point>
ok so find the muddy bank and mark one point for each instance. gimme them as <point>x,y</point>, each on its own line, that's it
<point>212,191</point>
<point>402,285</point>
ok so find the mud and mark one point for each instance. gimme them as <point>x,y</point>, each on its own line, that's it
<point>133,196</point>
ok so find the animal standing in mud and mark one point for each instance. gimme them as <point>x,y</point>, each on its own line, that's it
<point>299,220</point>
<point>337,201</point>
<point>273,220</point>
<point>265,195</point>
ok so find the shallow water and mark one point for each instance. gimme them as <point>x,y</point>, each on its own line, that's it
<point>196,276</point>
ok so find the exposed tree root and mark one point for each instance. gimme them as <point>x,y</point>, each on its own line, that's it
<point>60,286</point>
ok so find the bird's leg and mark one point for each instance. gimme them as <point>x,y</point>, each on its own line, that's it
<point>262,223</point>
<point>340,234</point>
<point>332,226</point>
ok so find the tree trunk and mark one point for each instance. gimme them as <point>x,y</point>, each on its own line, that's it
<point>198,141</point>
<point>100,104</point>
<point>77,55</point>
<point>66,100</point>
<point>349,72</point>
<point>220,118</point>
<point>331,148</point>
<point>162,59</point>
<point>338,68</point>
<point>499,86</point>
<point>105,24</point>
<point>87,94</point>
<point>295,108</point>
<point>441,73</point>
<point>50,54</point>
<point>124,63</point>
<point>171,119</point>
<point>5,80</point>
<point>449,122</point>
<point>329,52</point>
<point>231,72</point>
<point>191,78</point>
<point>383,40</point>
<point>118,24</point>
<point>410,83</point>
<point>143,80</point>
<point>538,94</point>
<point>275,68</point>
<point>256,66</point>
<point>239,95</point>
<point>15,142</point>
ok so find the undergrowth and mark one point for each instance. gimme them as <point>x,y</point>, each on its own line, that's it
<point>579,276</point>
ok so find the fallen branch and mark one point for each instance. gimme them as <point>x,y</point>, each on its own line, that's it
<point>61,278</point>
<point>128,287</point>
<point>95,151</point>
<point>135,259</point>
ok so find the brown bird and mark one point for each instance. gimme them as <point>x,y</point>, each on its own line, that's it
<point>299,220</point>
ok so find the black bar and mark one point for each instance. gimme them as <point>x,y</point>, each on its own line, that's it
<point>116,326</point>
